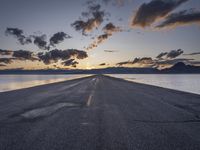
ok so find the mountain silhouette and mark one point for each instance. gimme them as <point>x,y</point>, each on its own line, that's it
<point>179,67</point>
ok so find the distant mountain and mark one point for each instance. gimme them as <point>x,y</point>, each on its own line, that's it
<point>111,70</point>
<point>180,67</point>
<point>177,68</point>
<point>122,70</point>
<point>42,71</point>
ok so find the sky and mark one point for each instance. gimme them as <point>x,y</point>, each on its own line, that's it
<point>84,34</point>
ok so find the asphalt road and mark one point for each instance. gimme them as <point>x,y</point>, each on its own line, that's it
<point>99,113</point>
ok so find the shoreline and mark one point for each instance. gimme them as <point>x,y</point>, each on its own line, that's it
<point>99,110</point>
<point>107,75</point>
<point>33,83</point>
<point>47,84</point>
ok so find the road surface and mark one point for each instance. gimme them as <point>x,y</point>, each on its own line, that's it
<point>99,113</point>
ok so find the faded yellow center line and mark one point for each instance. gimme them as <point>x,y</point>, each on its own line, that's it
<point>92,93</point>
<point>89,100</point>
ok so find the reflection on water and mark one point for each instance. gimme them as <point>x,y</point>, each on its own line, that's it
<point>182,82</point>
<point>13,82</point>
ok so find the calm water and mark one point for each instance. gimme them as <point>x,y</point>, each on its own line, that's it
<point>184,82</point>
<point>13,82</point>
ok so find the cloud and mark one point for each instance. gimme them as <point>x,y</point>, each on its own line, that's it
<point>100,39</point>
<point>181,18</point>
<point>194,63</point>
<point>96,17</point>
<point>5,52</point>
<point>21,55</point>
<point>19,34</point>
<point>2,65</point>
<point>163,60</point>
<point>24,55</point>
<point>170,62</point>
<point>161,55</point>
<point>111,28</point>
<point>147,61</point>
<point>40,41</point>
<point>70,62</point>
<point>173,61</point>
<point>102,64</point>
<point>124,63</point>
<point>110,51</point>
<point>156,63</point>
<point>144,60</point>
<point>191,54</point>
<point>170,55</point>
<point>6,60</point>
<point>55,55</point>
<point>108,29</point>
<point>58,37</point>
<point>174,53</point>
<point>150,12</point>
<point>66,57</point>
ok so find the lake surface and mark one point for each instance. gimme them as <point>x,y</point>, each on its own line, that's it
<point>181,82</point>
<point>13,82</point>
<point>184,82</point>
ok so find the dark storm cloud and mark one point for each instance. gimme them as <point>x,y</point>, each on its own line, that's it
<point>172,54</point>
<point>5,52</point>
<point>40,41</point>
<point>94,18</point>
<point>191,54</point>
<point>70,62</point>
<point>181,18</point>
<point>24,55</point>
<point>19,34</point>
<point>58,37</point>
<point>55,55</point>
<point>108,29</point>
<point>148,13</point>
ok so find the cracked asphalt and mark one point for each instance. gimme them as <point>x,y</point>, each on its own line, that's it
<point>99,113</point>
